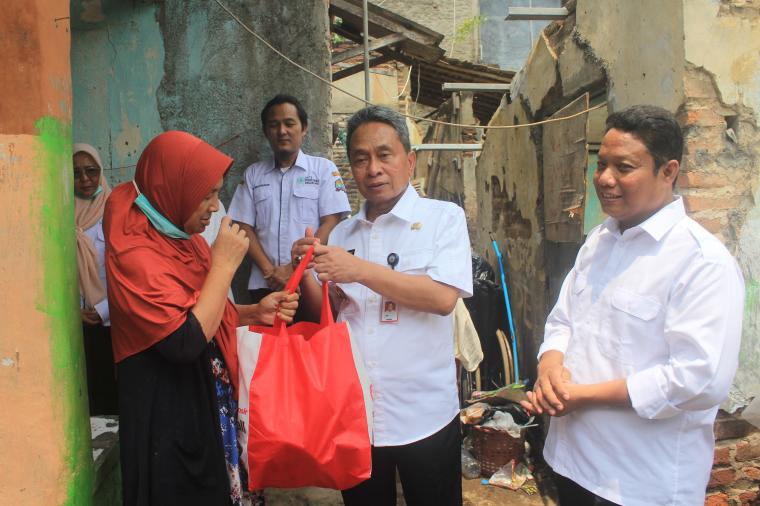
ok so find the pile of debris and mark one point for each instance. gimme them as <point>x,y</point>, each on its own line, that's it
<point>495,448</point>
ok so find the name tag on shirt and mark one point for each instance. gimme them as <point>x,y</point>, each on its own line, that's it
<point>388,311</point>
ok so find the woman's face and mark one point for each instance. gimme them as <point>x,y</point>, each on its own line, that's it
<point>201,218</point>
<point>86,175</point>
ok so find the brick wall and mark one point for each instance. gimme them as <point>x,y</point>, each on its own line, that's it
<point>720,151</point>
<point>736,465</point>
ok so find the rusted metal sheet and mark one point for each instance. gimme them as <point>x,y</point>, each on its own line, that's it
<point>565,163</point>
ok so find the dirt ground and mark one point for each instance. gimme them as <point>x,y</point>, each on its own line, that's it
<point>473,494</point>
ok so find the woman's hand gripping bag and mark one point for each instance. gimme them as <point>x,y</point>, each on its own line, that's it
<point>309,408</point>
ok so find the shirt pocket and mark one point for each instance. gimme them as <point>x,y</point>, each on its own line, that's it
<point>262,202</point>
<point>307,204</point>
<point>415,262</point>
<point>632,320</point>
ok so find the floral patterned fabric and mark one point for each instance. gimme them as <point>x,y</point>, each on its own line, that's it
<point>239,494</point>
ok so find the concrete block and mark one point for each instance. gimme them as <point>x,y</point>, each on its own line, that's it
<point>576,71</point>
<point>539,75</point>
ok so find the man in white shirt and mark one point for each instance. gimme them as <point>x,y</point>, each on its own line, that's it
<point>279,198</point>
<point>643,343</point>
<point>399,266</point>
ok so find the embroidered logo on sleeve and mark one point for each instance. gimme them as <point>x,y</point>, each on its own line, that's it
<point>340,186</point>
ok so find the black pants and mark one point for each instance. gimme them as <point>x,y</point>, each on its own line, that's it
<point>101,371</point>
<point>430,472</point>
<point>572,494</point>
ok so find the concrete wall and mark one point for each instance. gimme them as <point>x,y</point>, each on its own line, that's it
<point>722,169</point>
<point>143,67</point>
<point>698,58</point>
<point>44,431</point>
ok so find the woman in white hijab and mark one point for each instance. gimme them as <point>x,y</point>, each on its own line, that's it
<point>91,191</point>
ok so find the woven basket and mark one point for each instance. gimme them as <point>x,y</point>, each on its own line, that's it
<point>494,448</point>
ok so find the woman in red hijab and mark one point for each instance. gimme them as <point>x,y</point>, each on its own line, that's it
<point>173,327</point>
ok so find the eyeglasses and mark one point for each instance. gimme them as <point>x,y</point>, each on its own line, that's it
<point>90,172</point>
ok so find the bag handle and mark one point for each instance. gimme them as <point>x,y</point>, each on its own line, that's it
<point>327,314</point>
<point>294,281</point>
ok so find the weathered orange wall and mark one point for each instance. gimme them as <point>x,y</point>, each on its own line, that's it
<point>45,454</point>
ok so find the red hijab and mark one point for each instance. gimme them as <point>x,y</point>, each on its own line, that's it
<point>154,280</point>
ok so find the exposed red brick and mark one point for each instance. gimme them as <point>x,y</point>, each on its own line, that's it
<point>721,457</point>
<point>695,203</point>
<point>747,450</point>
<point>722,477</point>
<point>705,117</point>
<point>716,500</point>
<point>706,138</point>
<point>713,226</point>
<point>698,86</point>
<point>748,498</point>
<point>753,473</point>
<point>693,179</point>
<point>730,427</point>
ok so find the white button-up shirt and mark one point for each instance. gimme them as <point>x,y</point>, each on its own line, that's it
<point>280,205</point>
<point>410,364</point>
<point>95,233</point>
<point>661,306</point>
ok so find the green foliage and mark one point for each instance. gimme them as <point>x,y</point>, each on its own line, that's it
<point>467,27</point>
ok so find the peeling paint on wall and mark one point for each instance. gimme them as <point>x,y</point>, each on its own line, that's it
<point>117,66</point>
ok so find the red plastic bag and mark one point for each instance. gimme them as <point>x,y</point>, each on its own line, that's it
<point>308,420</point>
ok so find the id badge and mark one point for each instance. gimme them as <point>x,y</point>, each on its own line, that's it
<point>388,311</point>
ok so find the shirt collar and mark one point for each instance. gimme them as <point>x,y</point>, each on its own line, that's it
<point>300,162</point>
<point>657,225</point>
<point>404,208</point>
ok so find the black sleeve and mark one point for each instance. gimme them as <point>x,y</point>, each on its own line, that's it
<point>185,344</point>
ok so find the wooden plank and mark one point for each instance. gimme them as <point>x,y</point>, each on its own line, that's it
<point>478,87</point>
<point>374,45</point>
<point>359,67</point>
<point>421,42</point>
<point>565,156</point>
<point>536,13</point>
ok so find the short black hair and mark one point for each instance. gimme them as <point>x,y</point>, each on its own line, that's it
<point>379,114</point>
<point>656,127</point>
<point>284,99</point>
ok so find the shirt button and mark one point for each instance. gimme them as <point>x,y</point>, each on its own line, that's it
<point>371,331</point>
<point>375,237</point>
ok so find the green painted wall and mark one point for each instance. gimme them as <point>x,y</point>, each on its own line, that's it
<point>117,60</point>
<point>592,212</point>
<point>59,301</point>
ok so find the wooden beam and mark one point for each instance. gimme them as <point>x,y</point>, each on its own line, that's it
<point>374,45</point>
<point>536,13</point>
<point>476,87</point>
<point>448,147</point>
<point>421,42</point>
<point>359,67</point>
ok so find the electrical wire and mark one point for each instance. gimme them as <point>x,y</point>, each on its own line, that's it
<point>410,116</point>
